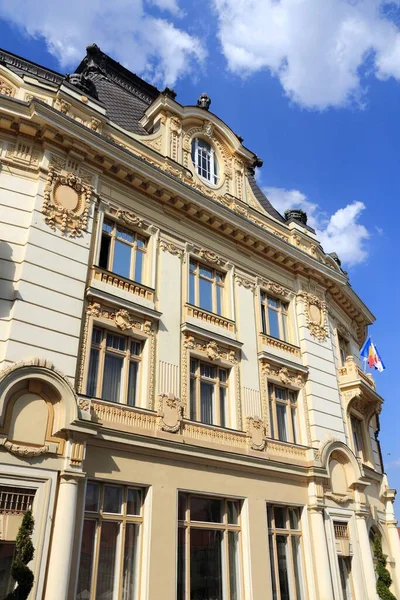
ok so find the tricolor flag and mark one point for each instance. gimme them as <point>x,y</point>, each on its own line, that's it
<point>370,355</point>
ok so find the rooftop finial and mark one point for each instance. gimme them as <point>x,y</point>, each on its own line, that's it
<point>204,101</point>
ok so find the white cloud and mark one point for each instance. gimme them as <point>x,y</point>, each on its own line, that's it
<point>340,232</point>
<point>145,44</point>
<point>317,48</point>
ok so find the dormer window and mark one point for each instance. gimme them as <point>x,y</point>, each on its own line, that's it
<point>205,160</point>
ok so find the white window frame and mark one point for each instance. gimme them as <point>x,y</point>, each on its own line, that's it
<point>218,383</point>
<point>214,177</point>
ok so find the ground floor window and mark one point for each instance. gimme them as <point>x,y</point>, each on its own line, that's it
<point>209,555</point>
<point>14,503</point>
<point>111,542</point>
<point>285,552</point>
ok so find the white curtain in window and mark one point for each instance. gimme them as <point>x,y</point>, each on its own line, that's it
<point>206,401</point>
<point>112,377</point>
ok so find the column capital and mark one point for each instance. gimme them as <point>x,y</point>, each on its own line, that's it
<point>71,477</point>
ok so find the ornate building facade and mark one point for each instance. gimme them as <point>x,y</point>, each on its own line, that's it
<point>182,403</point>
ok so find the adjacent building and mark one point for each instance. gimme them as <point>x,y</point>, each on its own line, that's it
<point>182,403</point>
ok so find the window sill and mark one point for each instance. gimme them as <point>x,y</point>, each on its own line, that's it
<point>122,284</point>
<point>272,342</point>
<point>209,318</point>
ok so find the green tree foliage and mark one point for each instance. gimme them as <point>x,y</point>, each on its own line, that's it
<point>23,555</point>
<point>384,580</point>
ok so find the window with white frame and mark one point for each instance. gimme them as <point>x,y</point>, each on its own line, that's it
<point>274,317</point>
<point>283,414</point>
<point>114,364</point>
<point>208,393</point>
<point>285,552</point>
<point>122,251</point>
<point>206,287</point>
<point>205,160</point>
<point>111,542</point>
<point>209,548</point>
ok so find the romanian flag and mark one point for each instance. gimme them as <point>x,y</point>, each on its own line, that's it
<point>370,355</point>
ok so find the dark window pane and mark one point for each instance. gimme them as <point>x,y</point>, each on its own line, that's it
<point>133,502</point>
<point>132,383</point>
<point>263,320</point>
<point>222,406</point>
<point>97,335</point>
<point>91,387</point>
<point>122,259</point>
<point>193,411</point>
<point>294,423</point>
<point>233,512</point>
<point>219,300</point>
<point>107,226</point>
<point>112,502</point>
<point>281,549</point>
<point>205,288</point>
<point>272,564</point>
<point>7,582</point>
<point>294,518</point>
<point>104,251</point>
<point>281,420</point>
<point>181,593</point>
<point>112,378</point>
<point>205,565</point>
<point>130,562</point>
<point>280,517</point>
<point>107,559</point>
<point>206,402</point>
<point>86,559</point>
<point>127,236</point>
<point>273,323</point>
<point>205,272</point>
<point>116,341</point>
<point>206,509</point>
<point>182,499</point>
<point>92,496</point>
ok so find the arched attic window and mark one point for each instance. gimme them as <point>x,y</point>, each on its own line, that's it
<point>205,160</point>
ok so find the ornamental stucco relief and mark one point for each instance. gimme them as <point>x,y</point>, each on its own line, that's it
<point>315,312</point>
<point>66,203</point>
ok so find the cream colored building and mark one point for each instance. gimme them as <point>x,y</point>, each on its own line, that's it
<point>182,402</point>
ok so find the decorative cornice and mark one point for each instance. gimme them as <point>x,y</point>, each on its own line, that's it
<point>282,374</point>
<point>211,349</point>
<point>122,318</point>
<point>170,247</point>
<point>244,282</point>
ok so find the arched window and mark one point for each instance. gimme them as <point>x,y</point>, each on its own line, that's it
<point>205,160</point>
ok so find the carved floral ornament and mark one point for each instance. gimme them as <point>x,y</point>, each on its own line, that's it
<point>211,349</point>
<point>315,311</point>
<point>275,289</point>
<point>5,88</point>
<point>122,318</point>
<point>283,375</point>
<point>66,203</point>
<point>170,247</point>
<point>245,282</point>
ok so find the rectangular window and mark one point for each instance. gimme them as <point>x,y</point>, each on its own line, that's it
<point>345,576</point>
<point>208,393</point>
<point>206,287</point>
<point>110,547</point>
<point>358,438</point>
<point>343,350</point>
<point>209,548</point>
<point>283,414</point>
<point>114,363</point>
<point>274,317</point>
<point>285,552</point>
<point>122,252</point>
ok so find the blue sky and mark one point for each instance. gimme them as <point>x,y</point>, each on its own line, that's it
<point>314,89</point>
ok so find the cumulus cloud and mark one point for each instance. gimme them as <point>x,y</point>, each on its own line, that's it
<point>318,49</point>
<point>340,232</point>
<point>149,45</point>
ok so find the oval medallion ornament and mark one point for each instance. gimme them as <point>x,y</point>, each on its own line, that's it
<point>66,203</point>
<point>315,314</point>
<point>67,197</point>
